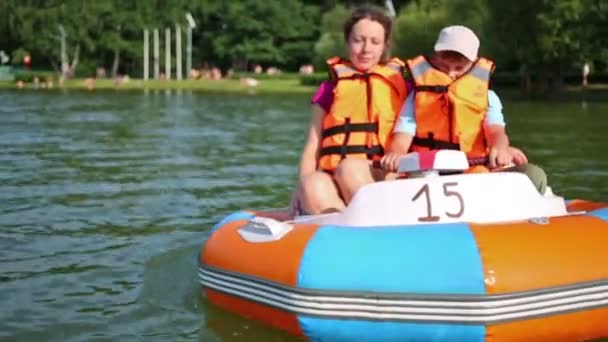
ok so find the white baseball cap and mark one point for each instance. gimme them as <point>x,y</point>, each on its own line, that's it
<point>460,39</point>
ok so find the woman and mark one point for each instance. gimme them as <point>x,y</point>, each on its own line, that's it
<point>353,115</point>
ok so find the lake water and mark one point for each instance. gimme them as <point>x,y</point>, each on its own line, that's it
<point>106,197</point>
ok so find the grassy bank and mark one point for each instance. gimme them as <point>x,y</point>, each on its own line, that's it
<point>293,85</point>
<point>277,86</point>
<point>595,92</point>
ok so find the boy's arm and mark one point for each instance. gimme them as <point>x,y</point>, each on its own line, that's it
<point>403,134</point>
<point>495,133</point>
<point>400,143</point>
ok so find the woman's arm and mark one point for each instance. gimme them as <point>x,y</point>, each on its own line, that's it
<point>310,154</point>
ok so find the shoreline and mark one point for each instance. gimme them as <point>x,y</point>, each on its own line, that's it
<point>594,92</point>
<point>265,86</point>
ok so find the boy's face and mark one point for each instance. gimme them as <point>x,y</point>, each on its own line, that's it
<point>452,63</point>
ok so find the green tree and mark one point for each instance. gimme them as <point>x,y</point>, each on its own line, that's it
<point>544,39</point>
<point>37,26</point>
<point>419,23</point>
<point>595,46</point>
<point>331,43</point>
<point>118,33</point>
<point>415,30</point>
<point>264,32</point>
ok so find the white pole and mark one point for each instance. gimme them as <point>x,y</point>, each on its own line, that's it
<point>146,54</point>
<point>64,56</point>
<point>189,52</point>
<point>178,52</point>
<point>168,53</point>
<point>191,25</point>
<point>390,7</point>
<point>156,55</point>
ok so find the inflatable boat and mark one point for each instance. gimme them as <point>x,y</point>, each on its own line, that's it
<point>458,257</point>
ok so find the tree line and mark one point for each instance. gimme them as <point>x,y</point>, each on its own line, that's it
<point>541,40</point>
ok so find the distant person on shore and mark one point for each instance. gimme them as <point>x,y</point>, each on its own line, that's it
<point>101,72</point>
<point>273,71</point>
<point>89,83</point>
<point>586,72</point>
<point>194,74</point>
<point>249,82</point>
<point>27,62</point>
<point>307,69</point>
<point>215,74</point>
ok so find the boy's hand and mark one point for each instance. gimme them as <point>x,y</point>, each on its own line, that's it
<point>500,157</point>
<point>519,157</point>
<point>390,161</point>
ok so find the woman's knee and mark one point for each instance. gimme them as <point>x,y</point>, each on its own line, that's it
<point>318,194</point>
<point>351,175</point>
<point>351,169</point>
<point>316,183</point>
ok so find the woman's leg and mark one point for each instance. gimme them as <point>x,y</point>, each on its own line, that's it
<point>319,194</point>
<point>352,174</point>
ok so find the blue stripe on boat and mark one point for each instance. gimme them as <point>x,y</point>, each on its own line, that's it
<point>430,259</point>
<point>321,329</point>
<point>437,259</point>
<point>239,215</point>
<point>601,213</point>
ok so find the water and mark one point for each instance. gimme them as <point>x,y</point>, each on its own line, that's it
<point>106,197</point>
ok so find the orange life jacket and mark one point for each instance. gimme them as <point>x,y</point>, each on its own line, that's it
<point>450,113</point>
<point>366,105</point>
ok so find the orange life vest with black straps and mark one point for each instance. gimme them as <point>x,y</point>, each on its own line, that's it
<point>450,113</point>
<point>366,104</point>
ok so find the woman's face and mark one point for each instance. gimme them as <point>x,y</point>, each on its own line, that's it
<point>366,44</point>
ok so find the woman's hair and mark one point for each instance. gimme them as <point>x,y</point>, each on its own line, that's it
<point>373,14</point>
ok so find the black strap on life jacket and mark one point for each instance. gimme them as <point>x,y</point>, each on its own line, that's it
<point>434,144</point>
<point>343,150</point>
<point>348,127</point>
<point>439,89</point>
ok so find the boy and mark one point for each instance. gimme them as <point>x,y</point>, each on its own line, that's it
<point>453,107</point>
